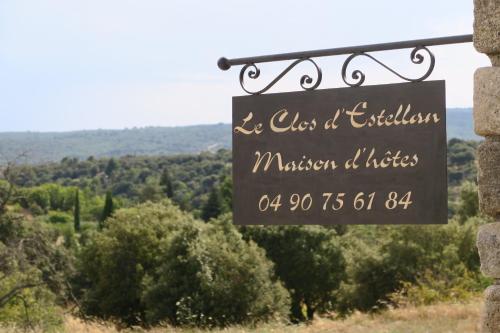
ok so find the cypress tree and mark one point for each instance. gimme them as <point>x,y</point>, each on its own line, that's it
<point>226,193</point>
<point>107,210</point>
<point>213,206</point>
<point>166,183</point>
<point>76,212</point>
<point>111,166</point>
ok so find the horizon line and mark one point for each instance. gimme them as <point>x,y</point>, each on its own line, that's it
<point>143,127</point>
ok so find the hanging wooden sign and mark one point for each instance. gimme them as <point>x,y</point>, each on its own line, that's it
<point>365,155</point>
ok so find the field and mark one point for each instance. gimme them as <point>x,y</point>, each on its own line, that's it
<point>440,318</point>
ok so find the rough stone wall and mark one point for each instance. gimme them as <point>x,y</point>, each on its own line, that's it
<point>487,124</point>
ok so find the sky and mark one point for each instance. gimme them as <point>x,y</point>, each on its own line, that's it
<point>71,65</point>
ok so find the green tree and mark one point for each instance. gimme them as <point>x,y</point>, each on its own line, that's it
<point>39,197</point>
<point>213,206</point>
<point>219,280</point>
<point>166,183</point>
<point>76,212</point>
<point>226,193</point>
<point>111,166</point>
<point>151,191</point>
<point>115,261</point>
<point>107,210</point>
<point>308,260</point>
<point>468,202</point>
<point>461,165</point>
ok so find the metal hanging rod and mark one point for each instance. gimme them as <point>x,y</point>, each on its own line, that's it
<point>224,63</point>
<point>417,56</point>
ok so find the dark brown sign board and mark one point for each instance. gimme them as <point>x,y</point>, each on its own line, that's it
<point>364,155</point>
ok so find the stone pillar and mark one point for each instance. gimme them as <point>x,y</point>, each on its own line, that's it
<point>487,124</point>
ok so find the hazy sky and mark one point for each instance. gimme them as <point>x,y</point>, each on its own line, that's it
<point>86,64</point>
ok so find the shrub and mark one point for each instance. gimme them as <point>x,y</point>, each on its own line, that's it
<point>34,271</point>
<point>431,288</point>
<point>210,276</point>
<point>469,201</point>
<point>59,217</point>
<point>30,307</point>
<point>436,261</point>
<point>39,197</point>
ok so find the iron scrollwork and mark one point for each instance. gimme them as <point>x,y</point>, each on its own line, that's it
<point>416,58</point>
<point>306,81</point>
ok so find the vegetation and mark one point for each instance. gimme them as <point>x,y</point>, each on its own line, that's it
<point>461,166</point>
<point>309,261</point>
<point>34,271</point>
<point>150,241</point>
<point>76,215</point>
<point>219,280</point>
<point>166,184</point>
<point>130,179</point>
<point>107,211</point>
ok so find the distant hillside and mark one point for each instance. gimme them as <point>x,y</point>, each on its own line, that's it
<point>460,124</point>
<point>52,146</point>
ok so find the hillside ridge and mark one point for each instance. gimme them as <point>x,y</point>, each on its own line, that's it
<point>43,147</point>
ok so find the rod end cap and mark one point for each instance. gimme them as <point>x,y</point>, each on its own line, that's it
<point>223,64</point>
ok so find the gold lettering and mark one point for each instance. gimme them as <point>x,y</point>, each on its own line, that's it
<point>414,160</point>
<point>392,160</point>
<point>290,166</point>
<point>264,162</point>
<point>405,115</point>
<point>354,113</point>
<point>331,123</point>
<point>268,162</point>
<point>370,160</point>
<point>318,165</point>
<point>352,162</point>
<point>398,122</point>
<point>293,126</point>
<point>281,114</point>
<point>257,129</point>
<point>404,161</point>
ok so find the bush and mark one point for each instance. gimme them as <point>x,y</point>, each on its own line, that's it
<point>469,201</point>
<point>210,276</point>
<point>155,263</point>
<point>431,288</point>
<point>431,259</point>
<point>34,271</point>
<point>59,217</point>
<point>31,307</point>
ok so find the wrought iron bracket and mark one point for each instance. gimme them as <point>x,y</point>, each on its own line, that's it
<point>417,56</point>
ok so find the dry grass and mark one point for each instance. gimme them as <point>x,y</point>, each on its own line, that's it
<point>441,318</point>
